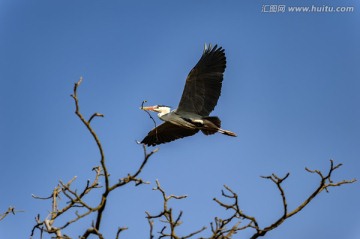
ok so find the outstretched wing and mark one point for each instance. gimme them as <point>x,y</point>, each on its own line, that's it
<point>167,132</point>
<point>203,84</point>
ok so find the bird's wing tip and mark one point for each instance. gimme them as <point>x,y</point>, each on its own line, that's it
<point>208,48</point>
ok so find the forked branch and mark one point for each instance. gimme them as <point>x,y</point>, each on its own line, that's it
<point>76,207</point>
<point>218,229</point>
<point>226,228</point>
<point>168,218</point>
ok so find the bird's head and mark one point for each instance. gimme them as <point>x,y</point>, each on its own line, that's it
<point>160,109</point>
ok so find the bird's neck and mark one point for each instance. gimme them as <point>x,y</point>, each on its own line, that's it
<point>164,113</point>
<point>161,114</point>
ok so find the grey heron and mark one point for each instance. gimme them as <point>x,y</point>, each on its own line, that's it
<point>200,96</point>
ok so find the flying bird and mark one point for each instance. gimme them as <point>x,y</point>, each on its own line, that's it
<point>200,96</point>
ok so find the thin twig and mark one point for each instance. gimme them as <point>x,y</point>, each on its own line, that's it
<point>155,126</point>
<point>95,115</point>
<point>120,229</point>
<point>142,107</point>
<point>8,211</point>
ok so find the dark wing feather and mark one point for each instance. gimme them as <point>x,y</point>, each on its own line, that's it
<point>167,132</point>
<point>203,84</point>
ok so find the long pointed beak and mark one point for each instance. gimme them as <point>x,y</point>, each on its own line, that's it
<point>148,108</point>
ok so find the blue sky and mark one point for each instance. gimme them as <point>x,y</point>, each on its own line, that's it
<point>290,92</point>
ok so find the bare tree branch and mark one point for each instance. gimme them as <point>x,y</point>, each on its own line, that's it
<point>219,228</point>
<point>238,220</point>
<point>167,214</point>
<point>76,200</point>
<point>10,210</point>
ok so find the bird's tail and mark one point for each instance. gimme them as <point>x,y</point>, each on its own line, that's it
<point>212,119</point>
<point>213,124</point>
<point>227,132</point>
